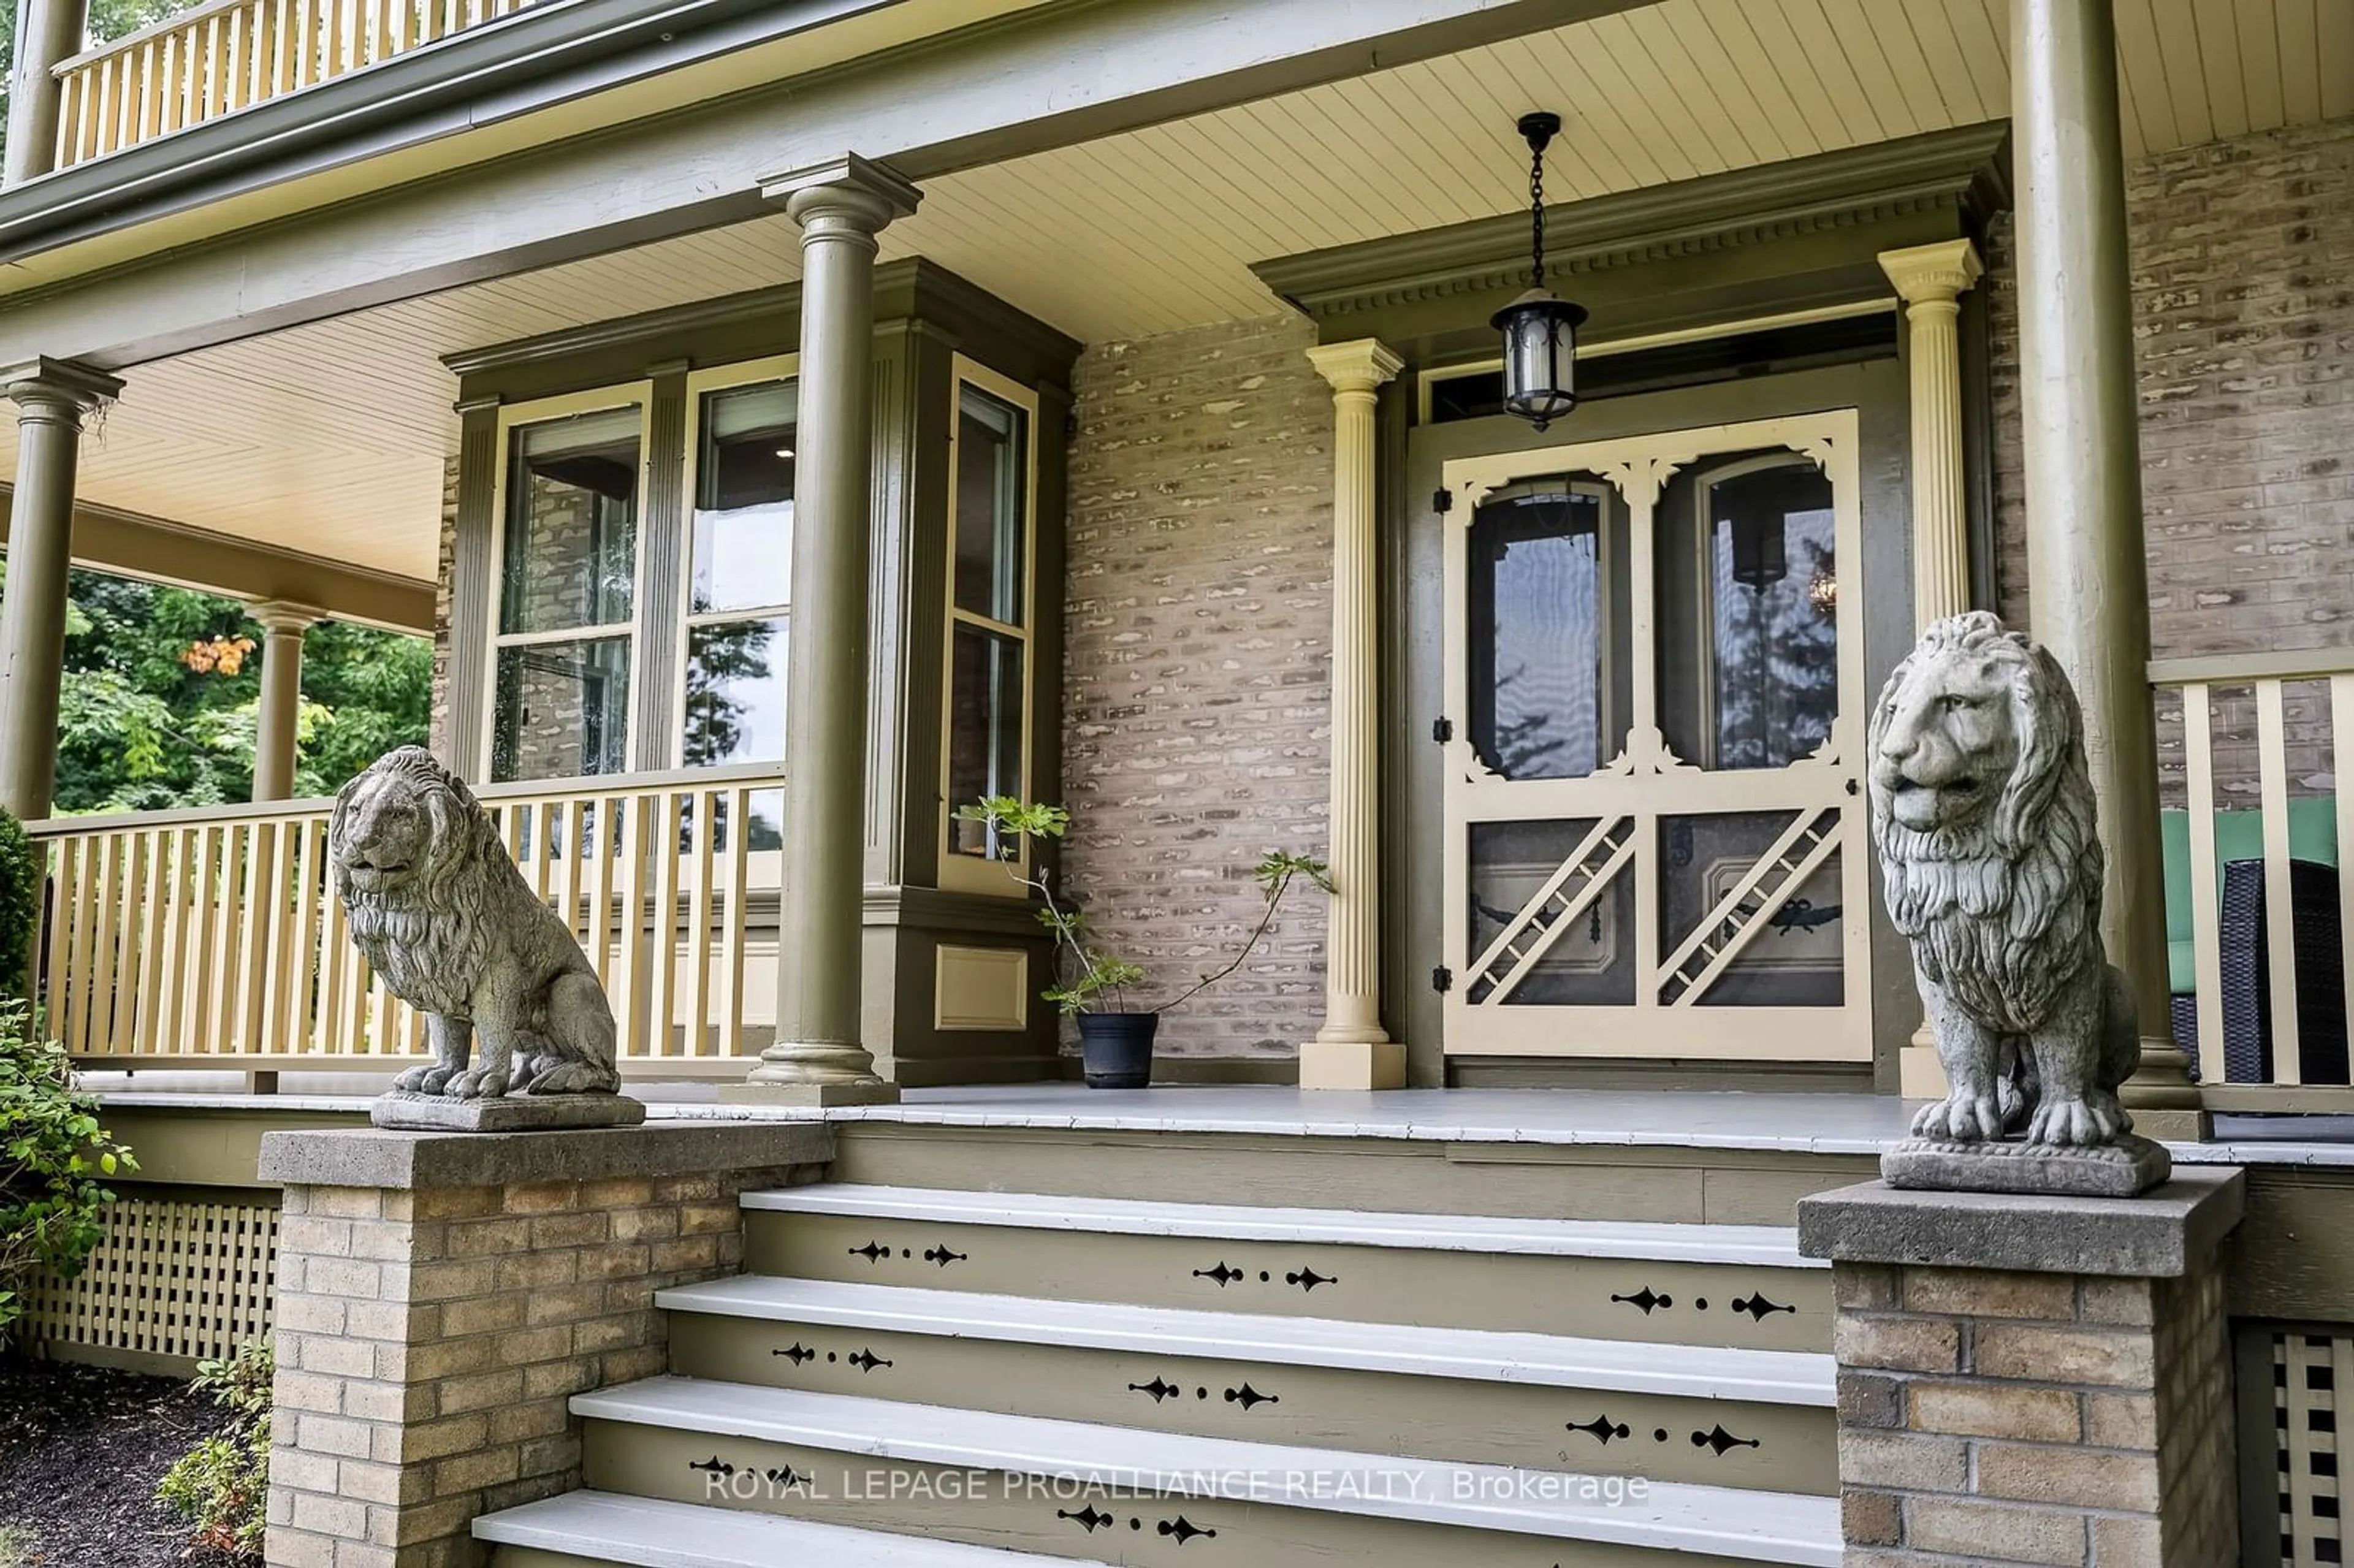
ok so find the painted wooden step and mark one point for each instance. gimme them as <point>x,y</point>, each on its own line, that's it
<point>1741,1286</point>
<point>1079,1490</point>
<point>1717,1416</point>
<point>646,1532</point>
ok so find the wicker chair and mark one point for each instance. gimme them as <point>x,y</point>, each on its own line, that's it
<point>2317,942</point>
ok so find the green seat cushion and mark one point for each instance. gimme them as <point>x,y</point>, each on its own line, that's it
<point>2238,835</point>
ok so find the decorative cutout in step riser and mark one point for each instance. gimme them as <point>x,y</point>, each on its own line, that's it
<point>1666,1437</point>
<point>1749,1306</point>
<point>1309,1517</point>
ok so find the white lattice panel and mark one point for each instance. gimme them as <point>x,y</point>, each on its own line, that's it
<point>2310,1370</point>
<point>176,1275</point>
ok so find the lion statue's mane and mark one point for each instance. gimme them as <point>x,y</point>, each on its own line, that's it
<point>2002,905</point>
<point>444,917</point>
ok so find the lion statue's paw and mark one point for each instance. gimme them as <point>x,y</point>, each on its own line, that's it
<point>2082,1123</point>
<point>427,1079</point>
<point>476,1085</point>
<point>1961,1119</point>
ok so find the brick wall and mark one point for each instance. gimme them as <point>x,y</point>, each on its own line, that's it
<point>1994,1417</point>
<point>427,1341</point>
<point>2243,319</point>
<point>1197,695</point>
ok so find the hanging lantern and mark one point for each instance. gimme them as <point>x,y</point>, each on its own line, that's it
<point>1761,551</point>
<point>1539,328</point>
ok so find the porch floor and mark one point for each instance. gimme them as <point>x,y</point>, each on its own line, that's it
<point>1793,1123</point>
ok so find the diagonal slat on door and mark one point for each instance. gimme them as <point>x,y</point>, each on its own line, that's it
<point>1758,871</point>
<point>1543,895</point>
<point>1602,877</point>
<point>1764,912</point>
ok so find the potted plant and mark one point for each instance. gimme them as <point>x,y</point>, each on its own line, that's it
<point>1093,987</point>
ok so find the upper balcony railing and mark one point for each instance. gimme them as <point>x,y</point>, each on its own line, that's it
<point>2257,903</point>
<point>212,938</point>
<point>229,54</point>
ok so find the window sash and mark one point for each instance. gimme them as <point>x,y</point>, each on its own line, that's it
<point>701,387</point>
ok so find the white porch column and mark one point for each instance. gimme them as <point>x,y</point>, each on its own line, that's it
<point>1351,1051</point>
<point>275,737</point>
<point>47,32</point>
<point>819,1057</point>
<point>1931,279</point>
<point>2087,582</point>
<point>52,397</point>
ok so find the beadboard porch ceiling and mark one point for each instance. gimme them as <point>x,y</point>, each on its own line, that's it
<point>331,439</point>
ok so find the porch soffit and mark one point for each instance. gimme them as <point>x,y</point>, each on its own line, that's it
<point>331,437</point>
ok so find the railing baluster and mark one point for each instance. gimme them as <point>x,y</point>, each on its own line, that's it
<point>2280,918</point>
<point>668,850</point>
<point>731,975</point>
<point>2206,892</point>
<point>698,929</point>
<point>630,974</point>
<point>101,1039</point>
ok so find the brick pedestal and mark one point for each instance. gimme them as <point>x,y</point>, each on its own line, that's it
<point>2033,1381</point>
<point>439,1296</point>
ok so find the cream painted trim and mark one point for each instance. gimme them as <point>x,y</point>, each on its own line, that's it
<point>1808,317</point>
<point>512,418</point>
<point>977,989</point>
<point>962,873</point>
<point>1648,782</point>
<point>719,378</point>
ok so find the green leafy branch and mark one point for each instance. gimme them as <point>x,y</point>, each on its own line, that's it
<point>1099,976</point>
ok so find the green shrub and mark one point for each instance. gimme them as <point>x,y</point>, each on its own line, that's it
<point>22,868</point>
<point>54,1157</point>
<point>222,1485</point>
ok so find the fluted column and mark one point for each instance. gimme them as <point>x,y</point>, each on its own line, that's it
<point>819,1057</point>
<point>52,397</point>
<point>277,732</point>
<point>1931,279</point>
<point>48,32</point>
<point>2087,583</point>
<point>1351,1051</point>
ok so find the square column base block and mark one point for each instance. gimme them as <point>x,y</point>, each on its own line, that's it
<point>2162,1234</point>
<point>1352,1064</point>
<point>1919,1074</point>
<point>504,1113</point>
<point>822,1096</point>
<point>2126,1169</point>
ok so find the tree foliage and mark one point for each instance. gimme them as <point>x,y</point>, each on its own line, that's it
<point>161,699</point>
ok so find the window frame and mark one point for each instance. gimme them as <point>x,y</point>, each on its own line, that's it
<point>960,873</point>
<point>1703,541</point>
<point>700,384</point>
<point>1606,627</point>
<point>512,418</point>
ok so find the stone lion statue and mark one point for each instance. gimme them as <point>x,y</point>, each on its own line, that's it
<point>1982,814</point>
<point>448,921</point>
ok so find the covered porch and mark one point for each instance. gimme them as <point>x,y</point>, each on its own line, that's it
<point>1241,318</point>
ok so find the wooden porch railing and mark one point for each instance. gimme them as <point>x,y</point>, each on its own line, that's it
<point>229,55</point>
<point>211,939</point>
<point>2289,711</point>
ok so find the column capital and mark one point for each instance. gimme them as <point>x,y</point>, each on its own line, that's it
<point>44,383</point>
<point>280,615</point>
<point>1358,365</point>
<point>1935,273</point>
<point>854,191</point>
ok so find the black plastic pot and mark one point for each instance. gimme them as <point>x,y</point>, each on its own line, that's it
<point>1117,1048</point>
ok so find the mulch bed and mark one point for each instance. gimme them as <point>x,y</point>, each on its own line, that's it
<point>80,1451</point>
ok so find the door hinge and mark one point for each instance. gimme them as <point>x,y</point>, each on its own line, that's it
<point>1442,499</point>
<point>1442,730</point>
<point>1442,980</point>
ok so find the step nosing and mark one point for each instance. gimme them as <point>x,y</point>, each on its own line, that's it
<point>1769,1246</point>
<point>647,1532</point>
<point>1504,1356</point>
<point>1674,1516</point>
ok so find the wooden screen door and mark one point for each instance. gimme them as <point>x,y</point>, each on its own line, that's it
<point>1653,739</point>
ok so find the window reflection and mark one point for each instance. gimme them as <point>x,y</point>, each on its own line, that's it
<point>739,583</point>
<point>1541,665</point>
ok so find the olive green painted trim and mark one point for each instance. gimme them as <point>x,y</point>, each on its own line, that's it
<point>661,642</point>
<point>2293,1256</point>
<point>1964,172</point>
<point>150,1363</point>
<point>153,550</point>
<point>755,324</point>
<point>1652,1076</point>
<point>472,594</point>
<point>904,706</point>
<point>1976,331</point>
<point>209,1146</point>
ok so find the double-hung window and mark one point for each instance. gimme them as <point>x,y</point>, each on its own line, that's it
<point>739,566</point>
<point>571,484</point>
<point>991,498</point>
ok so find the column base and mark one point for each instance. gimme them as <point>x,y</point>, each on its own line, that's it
<point>2165,1102</point>
<point>1919,1074</point>
<point>1352,1064</point>
<point>853,1093</point>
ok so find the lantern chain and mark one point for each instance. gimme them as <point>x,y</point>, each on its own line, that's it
<point>1536,207</point>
